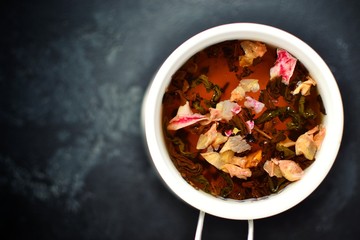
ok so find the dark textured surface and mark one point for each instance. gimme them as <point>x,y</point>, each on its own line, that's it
<point>72,78</point>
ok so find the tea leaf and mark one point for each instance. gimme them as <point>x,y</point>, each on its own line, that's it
<point>286,151</point>
<point>306,113</point>
<point>226,190</point>
<point>209,86</point>
<point>269,114</point>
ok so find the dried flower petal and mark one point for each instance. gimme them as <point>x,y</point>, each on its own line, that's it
<point>207,138</point>
<point>185,117</point>
<point>236,144</point>
<point>250,85</point>
<point>304,87</point>
<point>308,143</point>
<point>252,50</point>
<point>245,85</point>
<point>305,145</point>
<point>228,132</point>
<point>284,66</point>
<point>254,104</point>
<point>213,158</point>
<point>250,125</point>
<point>237,94</point>
<point>220,139</point>
<point>319,137</point>
<point>283,168</point>
<point>253,159</point>
<point>224,110</point>
<point>233,170</point>
<point>272,169</point>
<point>290,170</point>
<point>227,162</point>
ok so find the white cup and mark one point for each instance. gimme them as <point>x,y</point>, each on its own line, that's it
<point>251,208</point>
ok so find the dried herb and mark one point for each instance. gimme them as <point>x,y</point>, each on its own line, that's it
<point>231,53</point>
<point>237,122</point>
<point>266,99</point>
<point>186,166</point>
<point>209,86</point>
<point>269,114</point>
<point>287,92</point>
<point>274,87</point>
<point>202,182</point>
<point>290,112</point>
<point>287,153</point>
<point>279,184</point>
<point>245,72</point>
<point>306,113</point>
<point>225,191</point>
<point>181,145</point>
<point>282,113</point>
<point>197,104</point>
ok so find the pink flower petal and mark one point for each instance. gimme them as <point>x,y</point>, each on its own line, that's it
<point>254,104</point>
<point>284,66</point>
<point>224,110</point>
<point>250,125</point>
<point>185,117</point>
<point>228,132</point>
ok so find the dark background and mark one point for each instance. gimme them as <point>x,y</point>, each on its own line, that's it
<point>72,78</point>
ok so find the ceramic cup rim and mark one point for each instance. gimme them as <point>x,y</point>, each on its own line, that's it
<point>252,208</point>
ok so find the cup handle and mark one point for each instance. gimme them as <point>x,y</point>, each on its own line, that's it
<point>200,225</point>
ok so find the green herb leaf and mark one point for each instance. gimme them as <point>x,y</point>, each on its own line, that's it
<point>201,182</point>
<point>286,151</point>
<point>209,86</point>
<point>197,104</point>
<point>239,124</point>
<point>177,141</point>
<point>269,114</point>
<point>308,112</point>
<point>226,190</point>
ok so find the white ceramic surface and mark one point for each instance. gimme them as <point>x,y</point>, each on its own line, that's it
<point>253,208</point>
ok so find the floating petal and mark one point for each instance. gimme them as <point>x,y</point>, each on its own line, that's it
<point>272,169</point>
<point>224,110</point>
<point>254,104</point>
<point>252,50</point>
<point>185,117</point>
<point>233,170</point>
<point>245,85</point>
<point>290,170</point>
<point>284,66</point>
<point>309,142</point>
<point>207,138</point>
<point>236,144</point>
<point>304,87</point>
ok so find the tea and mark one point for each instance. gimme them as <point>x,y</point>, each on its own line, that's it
<point>242,119</point>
